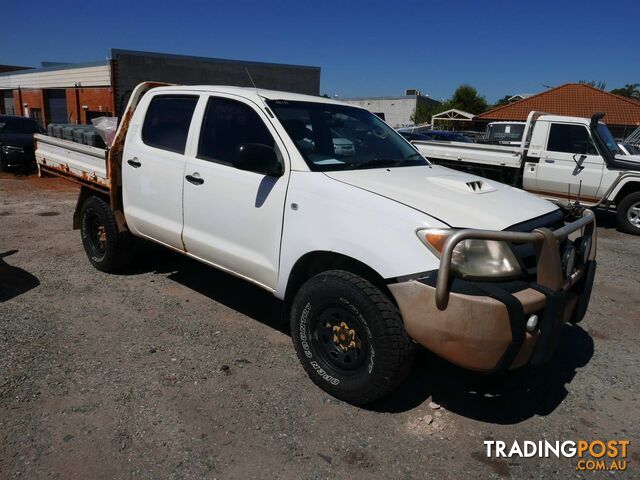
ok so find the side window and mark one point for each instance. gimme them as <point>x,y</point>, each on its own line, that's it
<point>226,125</point>
<point>166,124</point>
<point>570,139</point>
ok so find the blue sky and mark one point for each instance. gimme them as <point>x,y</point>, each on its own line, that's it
<point>364,48</point>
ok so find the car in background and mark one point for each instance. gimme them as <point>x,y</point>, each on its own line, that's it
<point>16,142</point>
<point>628,149</point>
<point>415,136</point>
<point>440,135</point>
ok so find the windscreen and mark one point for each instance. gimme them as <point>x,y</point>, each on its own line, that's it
<point>17,125</point>
<point>505,132</point>
<point>605,134</point>
<point>338,137</point>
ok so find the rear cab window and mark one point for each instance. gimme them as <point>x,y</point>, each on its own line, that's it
<point>167,121</point>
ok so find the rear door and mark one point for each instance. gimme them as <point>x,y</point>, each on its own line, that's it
<point>153,166</point>
<point>232,217</point>
<point>558,172</point>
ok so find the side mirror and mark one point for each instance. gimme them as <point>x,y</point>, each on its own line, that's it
<point>258,158</point>
<point>578,161</point>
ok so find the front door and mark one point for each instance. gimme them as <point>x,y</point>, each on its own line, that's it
<point>153,167</point>
<point>233,218</point>
<point>558,172</point>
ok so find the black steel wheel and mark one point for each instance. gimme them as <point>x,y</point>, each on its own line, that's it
<point>107,248</point>
<point>349,337</point>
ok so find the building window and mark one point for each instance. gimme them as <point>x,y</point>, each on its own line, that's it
<point>6,103</point>
<point>36,115</point>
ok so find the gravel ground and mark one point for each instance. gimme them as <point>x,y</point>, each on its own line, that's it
<point>175,370</point>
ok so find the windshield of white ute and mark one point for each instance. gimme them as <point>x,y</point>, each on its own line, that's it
<point>607,138</point>
<point>337,137</point>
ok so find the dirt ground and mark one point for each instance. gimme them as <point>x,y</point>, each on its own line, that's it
<point>175,370</point>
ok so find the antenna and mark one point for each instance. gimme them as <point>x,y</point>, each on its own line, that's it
<point>579,190</point>
<point>251,78</point>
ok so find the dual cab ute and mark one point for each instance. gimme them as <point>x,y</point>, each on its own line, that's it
<point>556,157</point>
<point>372,249</point>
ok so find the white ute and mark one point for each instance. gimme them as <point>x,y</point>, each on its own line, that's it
<point>373,250</point>
<point>561,158</point>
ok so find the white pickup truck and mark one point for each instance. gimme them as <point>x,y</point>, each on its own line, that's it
<point>568,158</point>
<point>371,250</point>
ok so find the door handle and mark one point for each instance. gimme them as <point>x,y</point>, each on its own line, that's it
<point>134,162</point>
<point>549,160</point>
<point>196,180</point>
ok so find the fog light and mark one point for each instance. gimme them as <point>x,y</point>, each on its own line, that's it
<point>532,323</point>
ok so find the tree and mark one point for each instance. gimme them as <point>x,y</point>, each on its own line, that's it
<point>630,90</point>
<point>506,100</point>
<point>592,83</point>
<point>466,98</point>
<point>423,113</point>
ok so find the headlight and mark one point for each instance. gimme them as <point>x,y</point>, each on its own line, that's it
<point>9,149</point>
<point>474,258</point>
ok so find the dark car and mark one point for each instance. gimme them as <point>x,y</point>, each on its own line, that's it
<point>441,135</point>
<point>16,142</point>
<point>444,135</point>
<point>415,136</point>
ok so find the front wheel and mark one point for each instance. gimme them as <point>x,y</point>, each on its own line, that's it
<point>108,248</point>
<point>628,214</point>
<point>349,337</point>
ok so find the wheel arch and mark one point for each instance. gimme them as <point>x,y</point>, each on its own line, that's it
<point>313,263</point>
<point>628,188</point>
<point>85,193</point>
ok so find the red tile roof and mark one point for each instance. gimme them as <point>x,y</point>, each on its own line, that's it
<point>572,99</point>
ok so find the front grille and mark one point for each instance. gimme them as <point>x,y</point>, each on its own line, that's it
<point>525,252</point>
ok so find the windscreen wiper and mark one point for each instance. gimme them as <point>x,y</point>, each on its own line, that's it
<point>378,163</point>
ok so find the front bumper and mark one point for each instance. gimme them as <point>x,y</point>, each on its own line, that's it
<point>17,158</point>
<point>481,325</point>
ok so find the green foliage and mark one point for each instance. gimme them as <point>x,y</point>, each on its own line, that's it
<point>423,112</point>
<point>504,101</point>
<point>596,84</point>
<point>630,90</point>
<point>465,98</point>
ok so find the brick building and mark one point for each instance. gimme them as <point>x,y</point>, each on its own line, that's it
<point>76,93</point>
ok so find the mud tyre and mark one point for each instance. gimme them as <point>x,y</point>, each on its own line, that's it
<point>350,337</point>
<point>628,214</point>
<point>108,249</point>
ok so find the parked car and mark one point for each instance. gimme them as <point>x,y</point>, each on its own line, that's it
<point>447,136</point>
<point>16,142</point>
<point>415,136</point>
<point>564,158</point>
<point>369,252</point>
<point>438,135</point>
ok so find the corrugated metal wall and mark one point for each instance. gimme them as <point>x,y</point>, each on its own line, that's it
<point>96,76</point>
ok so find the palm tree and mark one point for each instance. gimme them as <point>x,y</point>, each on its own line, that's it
<point>630,90</point>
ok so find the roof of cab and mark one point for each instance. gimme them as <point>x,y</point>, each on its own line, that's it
<point>563,119</point>
<point>250,92</point>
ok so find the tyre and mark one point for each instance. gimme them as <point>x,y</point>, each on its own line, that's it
<point>628,214</point>
<point>108,249</point>
<point>349,337</point>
